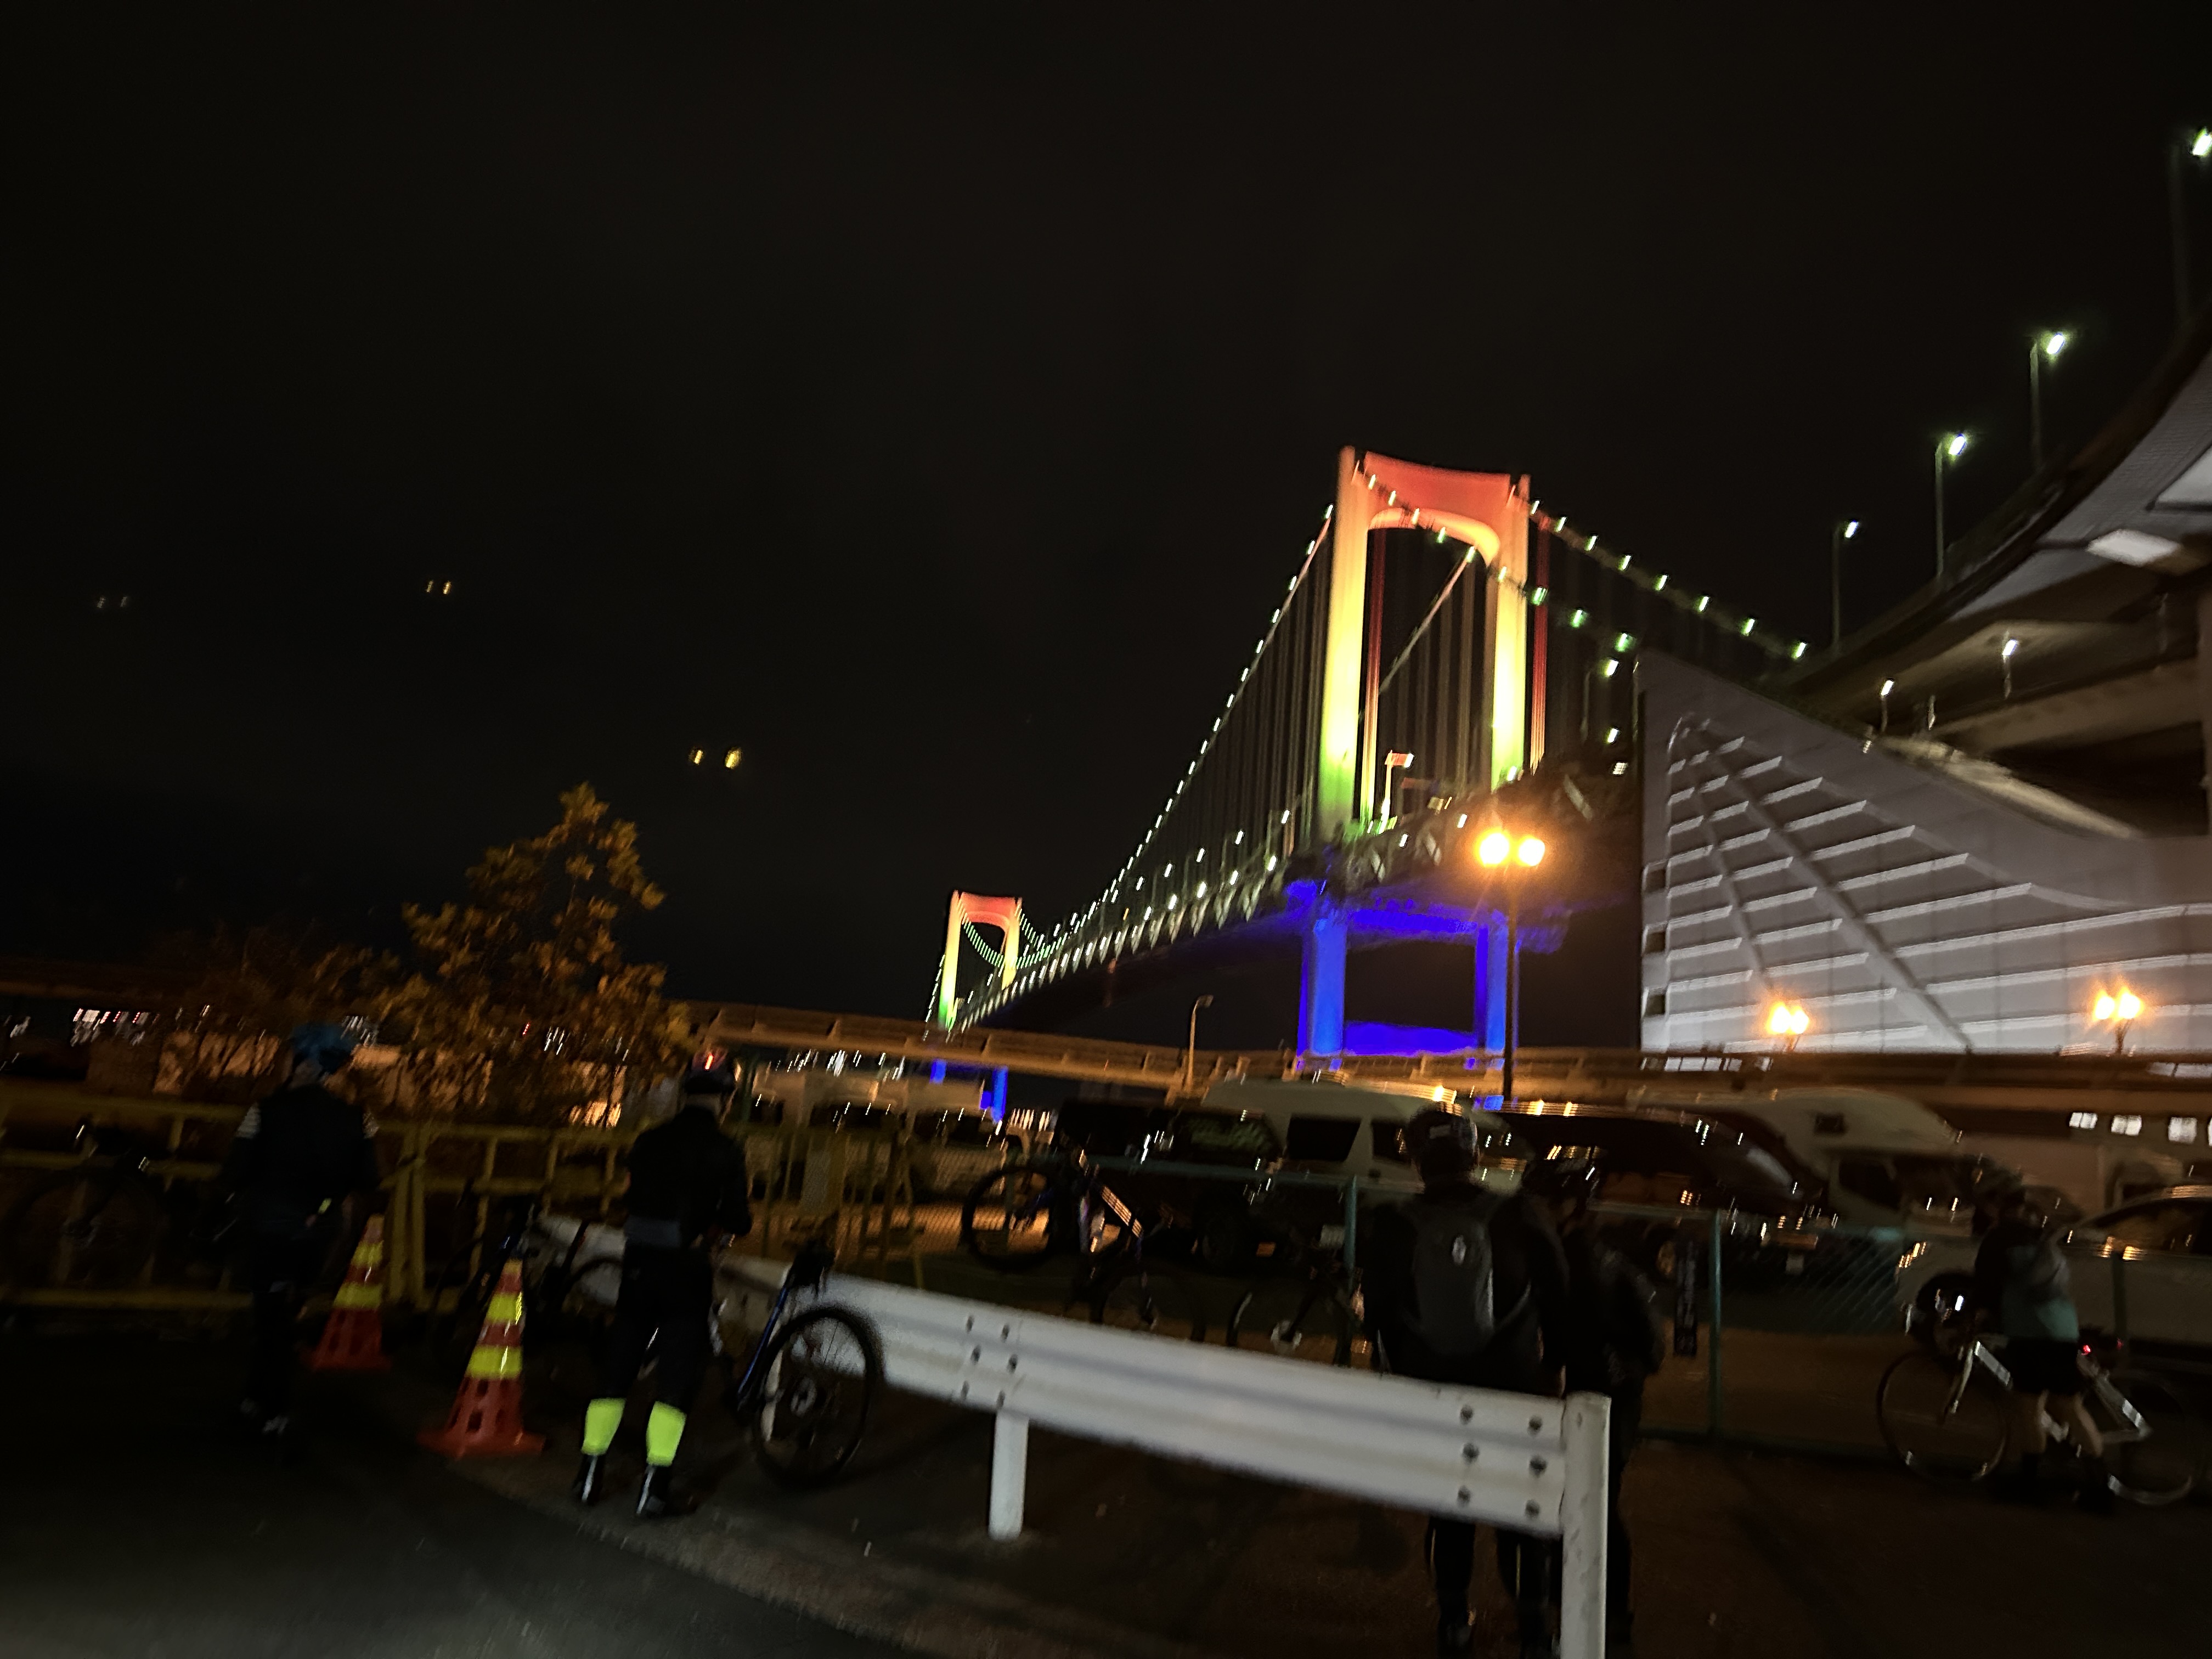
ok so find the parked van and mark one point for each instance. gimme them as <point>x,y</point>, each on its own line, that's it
<point>1887,1161</point>
<point>1354,1128</point>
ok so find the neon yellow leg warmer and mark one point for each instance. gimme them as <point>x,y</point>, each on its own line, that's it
<point>664,1432</point>
<point>601,1418</point>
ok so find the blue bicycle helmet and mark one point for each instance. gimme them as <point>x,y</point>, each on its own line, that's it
<point>325,1045</point>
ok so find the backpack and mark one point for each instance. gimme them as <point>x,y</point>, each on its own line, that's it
<point>1454,1310</point>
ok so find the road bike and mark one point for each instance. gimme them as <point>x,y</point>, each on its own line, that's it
<point>1324,1309</point>
<point>809,1382</point>
<point>1015,1218</point>
<point>1948,1416</point>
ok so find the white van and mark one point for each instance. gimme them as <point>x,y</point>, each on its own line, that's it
<point>1889,1161</point>
<point>1328,1127</point>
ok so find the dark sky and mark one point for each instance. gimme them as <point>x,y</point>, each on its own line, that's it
<point>936,408</point>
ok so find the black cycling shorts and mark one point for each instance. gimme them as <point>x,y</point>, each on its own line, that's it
<point>2042,1364</point>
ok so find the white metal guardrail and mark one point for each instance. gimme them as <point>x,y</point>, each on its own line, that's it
<point>1524,1461</point>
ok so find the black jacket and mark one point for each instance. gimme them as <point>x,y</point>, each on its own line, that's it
<point>297,1153</point>
<point>1529,1276</point>
<point>1615,1335</point>
<point>687,1175</point>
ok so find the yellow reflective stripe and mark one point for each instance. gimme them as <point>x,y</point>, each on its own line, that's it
<point>601,1418</point>
<point>358,1296</point>
<point>498,1364</point>
<point>664,1432</point>
<point>504,1310</point>
<point>369,1255</point>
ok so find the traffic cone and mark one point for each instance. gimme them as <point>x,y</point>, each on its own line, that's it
<point>487,1416</point>
<point>353,1336</point>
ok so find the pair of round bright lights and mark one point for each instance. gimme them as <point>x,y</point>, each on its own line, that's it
<point>1496,847</point>
<point>2125,1006</point>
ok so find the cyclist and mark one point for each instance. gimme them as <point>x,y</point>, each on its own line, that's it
<point>1615,1338</point>
<point>1463,1285</point>
<point>297,1166</point>
<point>2022,1290</point>
<point>687,1181</point>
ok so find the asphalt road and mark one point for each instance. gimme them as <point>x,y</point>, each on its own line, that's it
<point>132,1523</point>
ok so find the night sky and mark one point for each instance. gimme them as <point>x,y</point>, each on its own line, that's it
<point>935,410</point>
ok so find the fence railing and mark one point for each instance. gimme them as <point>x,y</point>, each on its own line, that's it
<point>447,1186</point>
<point>1532,1464</point>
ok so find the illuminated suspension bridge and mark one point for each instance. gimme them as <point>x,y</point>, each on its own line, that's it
<point>1441,639</point>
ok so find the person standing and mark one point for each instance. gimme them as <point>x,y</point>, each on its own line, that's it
<point>298,1166</point>
<point>1616,1338</point>
<point>2024,1291</point>
<point>687,1182</point>
<point>1463,1284</point>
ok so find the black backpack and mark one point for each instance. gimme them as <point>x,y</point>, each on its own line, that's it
<point>1455,1312</point>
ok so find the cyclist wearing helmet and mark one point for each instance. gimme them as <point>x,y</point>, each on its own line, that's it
<point>1463,1285</point>
<point>2023,1289</point>
<point>298,1161</point>
<point>1615,1338</point>
<point>687,1181</point>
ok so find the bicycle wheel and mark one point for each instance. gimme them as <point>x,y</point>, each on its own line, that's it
<point>1299,1320</point>
<point>1144,1296</point>
<point>84,1230</point>
<point>1936,1427</point>
<point>1008,1222</point>
<point>819,1381</point>
<point>2156,1450</point>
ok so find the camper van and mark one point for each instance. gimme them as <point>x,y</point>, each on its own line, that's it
<point>1887,1161</point>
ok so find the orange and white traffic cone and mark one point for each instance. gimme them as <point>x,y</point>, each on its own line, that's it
<point>487,1415</point>
<point>353,1336</point>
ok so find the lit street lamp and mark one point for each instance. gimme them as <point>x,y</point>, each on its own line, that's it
<point>1190,1054</point>
<point>1842,533</point>
<point>2045,347</point>
<point>2186,146</point>
<point>1949,448</point>
<point>2119,1011</point>
<point>1510,856</point>
<point>1788,1021</point>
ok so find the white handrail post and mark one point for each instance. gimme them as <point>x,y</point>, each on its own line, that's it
<point>1586,1429</point>
<point>1010,1473</point>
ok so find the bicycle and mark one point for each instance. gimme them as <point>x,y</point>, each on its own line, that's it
<point>565,1292</point>
<point>809,1382</point>
<point>1014,1218</point>
<point>108,1223</point>
<point>1948,1416</point>
<point>1323,1323</point>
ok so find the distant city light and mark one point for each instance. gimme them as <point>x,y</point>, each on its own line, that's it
<point>731,759</point>
<point>698,755</point>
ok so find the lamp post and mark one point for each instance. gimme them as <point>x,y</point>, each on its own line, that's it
<point>1842,533</point>
<point>2186,147</point>
<point>2045,347</point>
<point>1948,447</point>
<point>2119,1010</point>
<point>1512,856</point>
<point>1190,1053</point>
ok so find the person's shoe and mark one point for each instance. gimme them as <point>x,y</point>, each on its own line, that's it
<point>658,1499</point>
<point>591,1475</point>
<point>1455,1641</point>
<point>2095,1497</point>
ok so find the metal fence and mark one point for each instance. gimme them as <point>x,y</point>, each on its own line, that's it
<point>109,1202</point>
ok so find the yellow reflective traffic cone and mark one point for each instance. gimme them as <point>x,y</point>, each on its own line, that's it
<point>487,1415</point>
<point>353,1336</point>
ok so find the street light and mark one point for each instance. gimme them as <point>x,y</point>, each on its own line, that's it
<point>2194,147</point>
<point>1888,686</point>
<point>2043,348</point>
<point>1948,447</point>
<point>1788,1021</point>
<point>1190,1054</point>
<point>1842,533</point>
<point>2119,1010</point>
<point>1497,850</point>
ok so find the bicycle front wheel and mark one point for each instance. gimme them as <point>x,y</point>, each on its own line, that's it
<point>2156,1451</point>
<point>1006,1223</point>
<point>816,1387</point>
<point>1937,1426</point>
<point>1142,1295</point>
